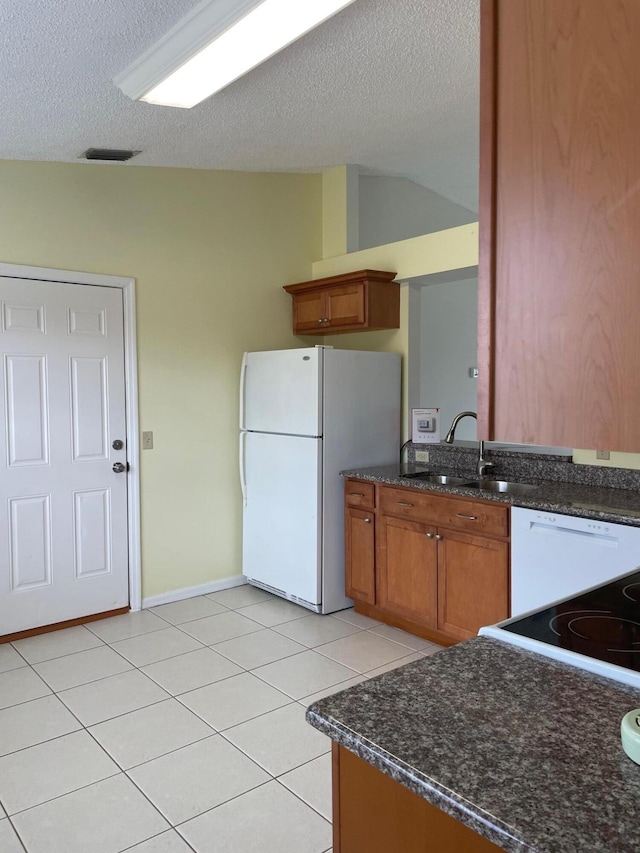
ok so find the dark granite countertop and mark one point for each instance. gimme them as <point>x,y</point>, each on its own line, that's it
<point>588,501</point>
<point>521,749</point>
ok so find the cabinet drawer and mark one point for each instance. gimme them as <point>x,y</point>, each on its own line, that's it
<point>468,515</point>
<point>406,503</point>
<point>475,516</point>
<point>357,493</point>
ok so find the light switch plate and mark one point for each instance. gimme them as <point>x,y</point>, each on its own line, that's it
<point>603,454</point>
<point>422,455</point>
<point>147,441</point>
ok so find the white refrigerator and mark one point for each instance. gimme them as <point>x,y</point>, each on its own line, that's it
<point>305,415</point>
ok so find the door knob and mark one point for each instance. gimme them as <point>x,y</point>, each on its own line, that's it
<point>119,468</point>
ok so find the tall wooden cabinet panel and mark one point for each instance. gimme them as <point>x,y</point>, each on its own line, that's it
<point>374,813</point>
<point>360,555</point>
<point>473,583</point>
<point>559,316</point>
<point>407,570</point>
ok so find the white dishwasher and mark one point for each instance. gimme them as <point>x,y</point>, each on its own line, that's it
<point>555,556</point>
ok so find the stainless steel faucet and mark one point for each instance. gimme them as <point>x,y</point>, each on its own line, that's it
<point>483,464</point>
<point>455,422</point>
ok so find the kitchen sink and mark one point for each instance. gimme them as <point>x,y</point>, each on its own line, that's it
<point>440,479</point>
<point>502,486</point>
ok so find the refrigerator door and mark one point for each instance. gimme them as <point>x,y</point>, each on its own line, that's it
<point>282,517</point>
<point>281,392</point>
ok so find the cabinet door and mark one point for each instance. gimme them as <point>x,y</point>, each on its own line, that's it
<point>346,305</point>
<point>473,583</point>
<point>309,311</point>
<point>407,573</point>
<point>559,305</point>
<point>360,555</point>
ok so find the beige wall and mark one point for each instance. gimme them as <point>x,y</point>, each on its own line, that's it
<point>210,252</point>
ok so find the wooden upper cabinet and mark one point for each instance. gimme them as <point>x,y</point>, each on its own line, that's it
<point>559,312</point>
<point>367,300</point>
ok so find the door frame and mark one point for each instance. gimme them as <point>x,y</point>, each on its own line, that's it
<point>128,287</point>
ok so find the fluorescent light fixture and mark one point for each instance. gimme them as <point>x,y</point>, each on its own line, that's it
<point>218,42</point>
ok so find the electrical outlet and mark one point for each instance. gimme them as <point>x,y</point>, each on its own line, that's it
<point>603,454</point>
<point>147,441</point>
<point>422,455</point>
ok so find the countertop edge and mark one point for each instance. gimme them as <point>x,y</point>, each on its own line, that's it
<point>530,501</point>
<point>423,786</point>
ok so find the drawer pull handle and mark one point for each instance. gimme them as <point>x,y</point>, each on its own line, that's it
<point>468,517</point>
<point>356,495</point>
<point>367,520</point>
<point>404,503</point>
<point>429,535</point>
<point>439,537</point>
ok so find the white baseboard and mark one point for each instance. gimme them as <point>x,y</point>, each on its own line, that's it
<point>191,591</point>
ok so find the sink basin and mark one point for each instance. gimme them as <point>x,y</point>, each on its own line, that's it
<point>503,486</point>
<point>440,479</point>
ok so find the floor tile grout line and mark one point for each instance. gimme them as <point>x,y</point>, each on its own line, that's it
<point>268,781</point>
<point>86,726</point>
<point>193,817</point>
<point>304,764</point>
<point>158,835</point>
<point>19,837</point>
<point>67,793</point>
<point>208,736</point>
<point>255,761</point>
<point>302,800</point>
<point>281,690</point>
<point>249,720</point>
<point>118,715</point>
<point>42,742</point>
<point>242,669</point>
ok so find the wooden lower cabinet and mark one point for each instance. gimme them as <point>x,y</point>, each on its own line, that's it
<point>473,583</point>
<point>423,576</point>
<point>407,570</point>
<point>360,544</point>
<point>374,814</point>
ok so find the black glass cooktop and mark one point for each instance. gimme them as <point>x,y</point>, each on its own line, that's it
<point>603,623</point>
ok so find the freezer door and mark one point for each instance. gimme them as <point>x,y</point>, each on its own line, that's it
<point>282,520</point>
<point>281,392</point>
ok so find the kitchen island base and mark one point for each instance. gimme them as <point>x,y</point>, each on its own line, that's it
<point>372,813</point>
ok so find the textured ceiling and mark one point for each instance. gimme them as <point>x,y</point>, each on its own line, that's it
<point>389,84</point>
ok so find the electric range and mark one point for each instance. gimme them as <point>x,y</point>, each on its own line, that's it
<point>597,630</point>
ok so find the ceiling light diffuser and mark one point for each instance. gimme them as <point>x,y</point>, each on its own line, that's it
<point>218,42</point>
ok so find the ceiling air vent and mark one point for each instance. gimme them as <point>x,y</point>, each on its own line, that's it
<point>108,154</point>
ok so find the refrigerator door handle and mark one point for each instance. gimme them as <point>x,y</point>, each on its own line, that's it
<point>243,375</point>
<point>241,462</point>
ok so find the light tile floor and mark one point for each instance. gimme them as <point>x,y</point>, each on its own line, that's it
<point>180,728</point>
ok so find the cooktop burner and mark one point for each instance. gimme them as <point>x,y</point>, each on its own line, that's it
<point>602,623</point>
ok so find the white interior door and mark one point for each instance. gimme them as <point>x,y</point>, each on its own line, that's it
<point>63,510</point>
<point>281,525</point>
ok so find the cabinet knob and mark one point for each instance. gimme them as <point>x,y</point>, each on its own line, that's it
<point>367,520</point>
<point>439,537</point>
<point>320,321</point>
<point>429,535</point>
